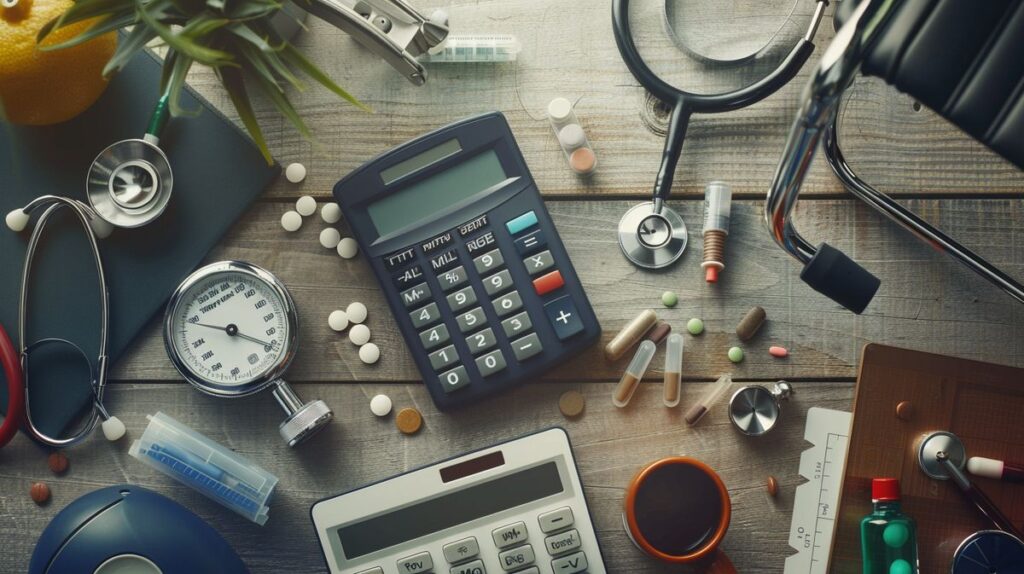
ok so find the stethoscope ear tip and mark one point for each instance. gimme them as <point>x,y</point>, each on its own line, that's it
<point>17,220</point>
<point>113,429</point>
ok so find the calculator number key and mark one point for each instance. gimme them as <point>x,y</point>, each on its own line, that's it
<point>539,262</point>
<point>517,324</point>
<point>517,558</point>
<point>434,337</point>
<point>508,304</point>
<point>441,358</point>
<point>462,298</point>
<point>471,319</point>
<point>425,316</point>
<point>451,279</point>
<point>454,379</point>
<point>416,563</point>
<point>526,347</point>
<point>415,295</point>
<point>493,362</point>
<point>480,342</point>
<point>498,283</point>
<point>474,567</point>
<point>488,261</point>
<point>562,543</point>
<point>570,564</point>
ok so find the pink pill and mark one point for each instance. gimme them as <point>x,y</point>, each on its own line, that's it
<point>778,352</point>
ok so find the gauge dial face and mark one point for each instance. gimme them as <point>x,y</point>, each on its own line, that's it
<point>230,328</point>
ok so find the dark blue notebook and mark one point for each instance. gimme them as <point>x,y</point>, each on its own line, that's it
<point>218,172</point>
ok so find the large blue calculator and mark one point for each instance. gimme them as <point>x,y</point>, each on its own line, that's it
<point>469,260</point>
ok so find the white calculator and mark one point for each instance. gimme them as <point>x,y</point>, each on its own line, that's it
<point>513,507</point>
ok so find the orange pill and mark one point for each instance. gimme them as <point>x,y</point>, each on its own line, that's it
<point>778,352</point>
<point>39,492</point>
<point>409,421</point>
<point>58,462</point>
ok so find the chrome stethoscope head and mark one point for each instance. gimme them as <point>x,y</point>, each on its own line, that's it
<point>129,183</point>
<point>652,235</point>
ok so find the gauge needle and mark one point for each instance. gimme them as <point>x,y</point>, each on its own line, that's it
<point>232,330</point>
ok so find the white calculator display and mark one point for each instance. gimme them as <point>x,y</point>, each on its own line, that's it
<point>514,507</point>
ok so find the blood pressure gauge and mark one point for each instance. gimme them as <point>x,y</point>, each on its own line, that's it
<point>230,330</point>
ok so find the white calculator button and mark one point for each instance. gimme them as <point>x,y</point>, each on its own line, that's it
<point>415,564</point>
<point>375,570</point>
<point>517,558</point>
<point>510,535</point>
<point>474,567</point>
<point>530,570</point>
<point>461,550</point>
<point>555,520</point>
<point>562,543</point>
<point>570,564</point>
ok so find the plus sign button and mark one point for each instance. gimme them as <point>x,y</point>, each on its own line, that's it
<point>563,317</point>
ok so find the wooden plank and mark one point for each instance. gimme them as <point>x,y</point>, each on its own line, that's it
<point>891,144</point>
<point>926,301</point>
<point>610,445</point>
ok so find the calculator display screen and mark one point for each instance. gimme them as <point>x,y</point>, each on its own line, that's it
<point>446,511</point>
<point>436,193</point>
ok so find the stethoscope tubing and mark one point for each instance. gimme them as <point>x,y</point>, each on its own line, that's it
<point>15,389</point>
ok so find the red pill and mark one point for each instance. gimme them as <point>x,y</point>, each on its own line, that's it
<point>778,352</point>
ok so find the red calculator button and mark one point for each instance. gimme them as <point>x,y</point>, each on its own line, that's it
<point>548,283</point>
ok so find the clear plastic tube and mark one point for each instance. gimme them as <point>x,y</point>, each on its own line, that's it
<point>571,136</point>
<point>673,369</point>
<point>717,211</point>
<point>701,408</point>
<point>475,48</point>
<point>634,374</point>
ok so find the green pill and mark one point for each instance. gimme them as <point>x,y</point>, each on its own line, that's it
<point>695,326</point>
<point>736,354</point>
<point>669,299</point>
<point>900,566</point>
<point>895,535</point>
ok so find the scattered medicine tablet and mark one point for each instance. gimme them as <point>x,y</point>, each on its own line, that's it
<point>330,212</point>
<point>773,486</point>
<point>380,405</point>
<point>295,172</point>
<point>348,248</point>
<point>778,352</point>
<point>306,205</point>
<point>695,326</point>
<point>904,410</point>
<point>669,299</point>
<point>58,462</point>
<point>338,320</point>
<point>751,323</point>
<point>359,335</point>
<point>409,421</point>
<point>736,355</point>
<point>291,221</point>
<point>39,492</point>
<point>330,237</point>
<point>571,403</point>
<point>369,353</point>
<point>356,312</point>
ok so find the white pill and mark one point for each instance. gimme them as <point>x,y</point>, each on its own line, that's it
<point>17,220</point>
<point>359,335</point>
<point>291,221</point>
<point>338,320</point>
<point>348,248</point>
<point>356,312</point>
<point>380,405</point>
<point>306,205</point>
<point>330,237</point>
<point>295,172</point>
<point>369,353</point>
<point>330,212</point>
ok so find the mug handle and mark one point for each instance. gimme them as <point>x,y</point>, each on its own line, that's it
<point>721,564</point>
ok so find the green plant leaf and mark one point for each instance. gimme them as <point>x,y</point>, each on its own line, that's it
<point>281,102</point>
<point>127,47</point>
<point>202,26</point>
<point>244,32</point>
<point>254,58</point>
<point>83,10</point>
<point>275,62</point>
<point>106,25</point>
<point>181,43</point>
<point>231,79</point>
<point>191,8</point>
<point>251,9</point>
<point>297,59</point>
<point>176,83</point>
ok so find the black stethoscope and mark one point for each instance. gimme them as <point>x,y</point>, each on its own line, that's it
<point>651,234</point>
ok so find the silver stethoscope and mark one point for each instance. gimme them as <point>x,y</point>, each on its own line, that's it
<point>128,185</point>
<point>651,234</point>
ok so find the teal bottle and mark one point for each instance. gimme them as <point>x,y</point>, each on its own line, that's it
<point>888,538</point>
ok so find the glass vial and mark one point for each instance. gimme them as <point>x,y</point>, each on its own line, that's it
<point>717,209</point>
<point>888,537</point>
<point>634,373</point>
<point>475,48</point>
<point>571,137</point>
<point>673,369</point>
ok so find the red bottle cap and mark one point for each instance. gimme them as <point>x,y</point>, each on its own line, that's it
<point>884,489</point>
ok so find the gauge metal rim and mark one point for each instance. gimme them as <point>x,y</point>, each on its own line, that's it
<point>651,257</point>
<point>940,441</point>
<point>761,398</point>
<point>263,381</point>
<point>135,152</point>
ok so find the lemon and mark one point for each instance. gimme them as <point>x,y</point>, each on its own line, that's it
<point>41,88</point>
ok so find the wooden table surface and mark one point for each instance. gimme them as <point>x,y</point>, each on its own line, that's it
<point>926,301</point>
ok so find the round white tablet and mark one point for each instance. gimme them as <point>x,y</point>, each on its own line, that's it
<point>291,221</point>
<point>295,172</point>
<point>330,237</point>
<point>356,312</point>
<point>348,248</point>
<point>338,320</point>
<point>369,353</point>
<point>306,205</point>
<point>380,405</point>
<point>359,335</point>
<point>330,212</point>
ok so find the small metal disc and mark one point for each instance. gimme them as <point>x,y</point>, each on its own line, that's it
<point>129,183</point>
<point>652,240</point>
<point>753,410</point>
<point>934,443</point>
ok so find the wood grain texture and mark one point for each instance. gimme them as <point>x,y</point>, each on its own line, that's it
<point>610,444</point>
<point>926,301</point>
<point>569,51</point>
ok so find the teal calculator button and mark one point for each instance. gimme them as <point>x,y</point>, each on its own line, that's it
<point>521,223</point>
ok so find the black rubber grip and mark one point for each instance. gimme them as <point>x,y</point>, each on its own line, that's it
<point>836,276</point>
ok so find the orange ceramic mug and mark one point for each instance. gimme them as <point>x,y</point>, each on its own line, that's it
<point>678,510</point>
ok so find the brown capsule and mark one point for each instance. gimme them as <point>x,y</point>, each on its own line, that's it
<point>58,462</point>
<point>904,410</point>
<point>630,334</point>
<point>409,420</point>
<point>750,323</point>
<point>659,332</point>
<point>40,492</point>
<point>571,403</point>
<point>773,486</point>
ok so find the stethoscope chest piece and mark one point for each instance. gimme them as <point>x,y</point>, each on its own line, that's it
<point>129,183</point>
<point>989,552</point>
<point>934,443</point>
<point>755,410</point>
<point>652,239</point>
